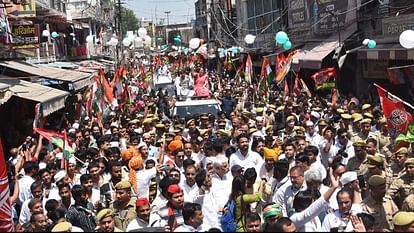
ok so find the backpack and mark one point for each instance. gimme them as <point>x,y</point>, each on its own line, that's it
<point>227,220</point>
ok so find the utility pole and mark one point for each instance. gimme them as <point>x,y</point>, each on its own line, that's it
<point>168,23</point>
<point>119,30</point>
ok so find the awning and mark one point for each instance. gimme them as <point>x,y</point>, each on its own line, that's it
<point>312,54</point>
<point>51,98</point>
<point>78,79</point>
<point>386,52</point>
<point>5,93</point>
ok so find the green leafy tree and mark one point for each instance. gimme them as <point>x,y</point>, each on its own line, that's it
<point>129,20</point>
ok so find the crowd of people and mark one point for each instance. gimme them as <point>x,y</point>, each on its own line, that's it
<point>277,164</point>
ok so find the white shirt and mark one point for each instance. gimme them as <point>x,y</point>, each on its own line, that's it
<point>24,186</point>
<point>209,209</point>
<point>189,192</point>
<point>221,188</point>
<point>252,159</point>
<point>333,220</point>
<point>138,223</point>
<point>263,172</point>
<point>326,157</point>
<point>285,196</point>
<point>276,185</point>
<point>349,149</point>
<point>187,228</point>
<point>25,213</point>
<point>307,220</point>
<point>314,140</point>
<point>144,177</point>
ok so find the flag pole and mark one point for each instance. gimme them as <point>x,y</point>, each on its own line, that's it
<point>394,96</point>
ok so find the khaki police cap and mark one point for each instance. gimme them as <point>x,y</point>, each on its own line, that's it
<point>150,115</point>
<point>160,126</point>
<point>203,131</point>
<point>376,180</point>
<point>366,106</point>
<point>290,118</point>
<point>280,109</point>
<point>409,161</point>
<point>340,111</point>
<point>346,116</point>
<point>222,123</point>
<point>402,150</point>
<point>62,227</point>
<point>104,213</point>
<point>366,121</point>
<point>358,118</point>
<point>383,120</point>
<point>403,218</point>
<point>123,185</point>
<point>134,121</point>
<point>359,142</point>
<point>223,132</point>
<point>271,106</point>
<point>368,115</point>
<point>190,121</point>
<point>374,161</point>
<point>269,127</point>
<point>252,130</point>
<point>317,109</point>
<point>147,121</point>
<point>259,110</point>
<point>322,122</point>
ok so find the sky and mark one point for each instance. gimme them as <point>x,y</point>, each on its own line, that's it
<point>181,10</point>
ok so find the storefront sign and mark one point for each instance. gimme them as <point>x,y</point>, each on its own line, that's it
<point>26,9</point>
<point>25,34</point>
<point>394,26</point>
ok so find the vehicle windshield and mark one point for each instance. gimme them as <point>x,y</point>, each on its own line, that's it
<point>170,88</point>
<point>190,110</point>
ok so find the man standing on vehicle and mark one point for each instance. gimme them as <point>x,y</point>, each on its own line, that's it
<point>228,103</point>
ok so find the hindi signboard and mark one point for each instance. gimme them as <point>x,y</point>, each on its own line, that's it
<point>24,35</point>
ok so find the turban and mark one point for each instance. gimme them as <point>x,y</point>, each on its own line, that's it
<point>134,164</point>
<point>174,145</point>
<point>142,202</point>
<point>271,210</point>
<point>270,153</point>
<point>174,188</point>
<point>129,153</point>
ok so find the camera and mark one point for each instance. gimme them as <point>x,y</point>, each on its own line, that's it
<point>342,153</point>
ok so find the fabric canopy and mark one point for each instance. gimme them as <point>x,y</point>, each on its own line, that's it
<point>312,54</point>
<point>52,99</point>
<point>78,79</point>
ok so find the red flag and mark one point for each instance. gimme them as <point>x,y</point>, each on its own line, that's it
<point>296,89</point>
<point>394,111</point>
<point>305,88</point>
<point>6,219</point>
<point>248,72</point>
<point>286,90</point>
<point>334,97</point>
<point>106,88</point>
<point>325,79</point>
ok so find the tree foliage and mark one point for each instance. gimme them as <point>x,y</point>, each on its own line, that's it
<point>129,20</point>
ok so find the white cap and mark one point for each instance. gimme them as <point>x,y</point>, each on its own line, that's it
<point>59,155</point>
<point>259,118</point>
<point>348,177</point>
<point>71,130</point>
<point>315,114</point>
<point>309,123</point>
<point>59,176</point>
<point>114,144</point>
<point>42,166</point>
<point>72,160</point>
<point>86,118</point>
<point>75,125</point>
<point>114,124</point>
<point>141,144</point>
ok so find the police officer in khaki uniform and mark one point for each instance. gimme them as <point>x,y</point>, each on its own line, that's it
<point>365,131</point>
<point>105,221</point>
<point>404,185</point>
<point>376,166</point>
<point>124,207</point>
<point>403,222</point>
<point>381,207</point>
<point>397,165</point>
<point>359,162</point>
